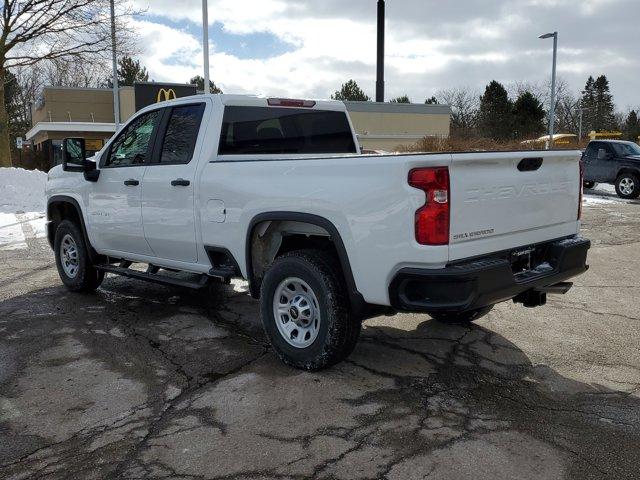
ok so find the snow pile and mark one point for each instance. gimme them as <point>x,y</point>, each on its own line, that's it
<point>22,190</point>
<point>603,194</point>
<point>22,205</point>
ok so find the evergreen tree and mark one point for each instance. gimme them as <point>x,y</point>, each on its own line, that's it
<point>17,123</point>
<point>597,101</point>
<point>401,99</point>
<point>130,71</point>
<point>589,105</point>
<point>528,116</point>
<point>495,117</point>
<point>431,101</point>
<point>352,92</point>
<point>198,81</point>
<point>632,127</point>
<point>604,107</point>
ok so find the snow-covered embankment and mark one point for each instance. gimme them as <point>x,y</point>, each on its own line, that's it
<point>22,207</point>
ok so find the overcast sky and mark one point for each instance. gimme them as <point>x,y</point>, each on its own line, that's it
<point>308,48</point>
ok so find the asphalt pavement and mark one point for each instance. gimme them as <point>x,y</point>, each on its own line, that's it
<point>144,381</point>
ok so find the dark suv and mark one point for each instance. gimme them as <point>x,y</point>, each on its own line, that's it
<point>615,162</point>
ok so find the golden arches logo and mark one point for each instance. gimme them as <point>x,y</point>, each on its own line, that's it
<point>165,94</point>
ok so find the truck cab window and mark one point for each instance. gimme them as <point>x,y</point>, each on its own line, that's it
<point>181,134</point>
<point>131,146</point>
<point>264,130</point>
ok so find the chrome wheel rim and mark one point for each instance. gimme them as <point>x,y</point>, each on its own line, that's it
<point>626,186</point>
<point>69,256</point>
<point>296,312</point>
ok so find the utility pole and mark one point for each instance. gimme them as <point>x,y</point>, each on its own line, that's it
<point>116,95</point>
<point>580,126</point>
<point>552,107</point>
<point>380,57</point>
<point>205,44</point>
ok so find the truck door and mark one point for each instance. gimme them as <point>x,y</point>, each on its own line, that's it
<point>115,214</point>
<point>168,187</point>
<point>604,169</point>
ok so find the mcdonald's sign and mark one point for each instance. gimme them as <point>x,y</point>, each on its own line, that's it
<point>148,93</point>
<point>165,94</point>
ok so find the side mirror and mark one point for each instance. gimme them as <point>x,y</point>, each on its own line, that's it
<point>74,159</point>
<point>74,155</point>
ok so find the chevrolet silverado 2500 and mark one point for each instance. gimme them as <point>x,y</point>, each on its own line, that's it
<point>276,191</point>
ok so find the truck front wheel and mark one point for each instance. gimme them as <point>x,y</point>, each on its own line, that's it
<point>72,259</point>
<point>305,310</point>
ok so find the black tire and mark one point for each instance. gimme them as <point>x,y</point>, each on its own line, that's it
<point>338,328</point>
<point>622,186</point>
<point>86,278</point>
<point>461,317</point>
<point>588,184</point>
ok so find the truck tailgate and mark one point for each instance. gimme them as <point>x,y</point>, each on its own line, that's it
<point>504,200</point>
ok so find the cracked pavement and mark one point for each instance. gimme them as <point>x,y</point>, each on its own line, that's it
<point>145,381</point>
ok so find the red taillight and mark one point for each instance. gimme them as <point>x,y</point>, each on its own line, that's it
<point>581,189</point>
<point>290,102</point>
<point>432,219</point>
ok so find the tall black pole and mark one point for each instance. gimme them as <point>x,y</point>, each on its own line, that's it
<point>380,65</point>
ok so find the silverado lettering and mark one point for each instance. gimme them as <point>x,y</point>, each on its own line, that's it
<point>514,191</point>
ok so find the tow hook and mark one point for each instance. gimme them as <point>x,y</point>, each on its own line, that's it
<point>537,297</point>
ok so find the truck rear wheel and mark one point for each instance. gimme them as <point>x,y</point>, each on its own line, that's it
<point>305,310</point>
<point>72,259</point>
<point>627,186</point>
<point>461,317</point>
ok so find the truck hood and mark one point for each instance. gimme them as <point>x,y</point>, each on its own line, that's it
<point>633,157</point>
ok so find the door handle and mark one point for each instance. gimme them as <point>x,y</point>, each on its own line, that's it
<point>180,182</point>
<point>132,182</point>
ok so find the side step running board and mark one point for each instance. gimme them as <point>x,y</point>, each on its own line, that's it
<point>150,276</point>
<point>224,273</point>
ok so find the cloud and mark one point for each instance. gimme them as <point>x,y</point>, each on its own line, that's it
<point>430,44</point>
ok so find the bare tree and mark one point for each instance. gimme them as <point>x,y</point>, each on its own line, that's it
<point>567,106</point>
<point>464,103</point>
<point>33,31</point>
<point>30,81</point>
<point>75,72</point>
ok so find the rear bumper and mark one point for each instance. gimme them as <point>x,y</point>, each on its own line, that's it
<point>486,281</point>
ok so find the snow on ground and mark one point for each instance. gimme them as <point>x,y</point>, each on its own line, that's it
<point>22,205</point>
<point>603,194</point>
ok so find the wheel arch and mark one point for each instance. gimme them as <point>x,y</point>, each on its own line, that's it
<point>627,169</point>
<point>355,297</point>
<point>63,207</point>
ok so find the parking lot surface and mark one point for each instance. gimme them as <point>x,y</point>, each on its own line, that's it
<point>144,381</point>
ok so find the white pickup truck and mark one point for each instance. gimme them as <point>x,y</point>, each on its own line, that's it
<point>277,192</point>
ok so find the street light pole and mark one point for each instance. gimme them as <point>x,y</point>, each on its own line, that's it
<point>116,95</point>
<point>205,44</point>
<point>380,53</point>
<point>552,107</point>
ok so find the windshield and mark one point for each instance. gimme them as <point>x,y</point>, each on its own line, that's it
<point>626,149</point>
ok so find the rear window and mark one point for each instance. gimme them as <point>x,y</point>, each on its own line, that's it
<point>264,130</point>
